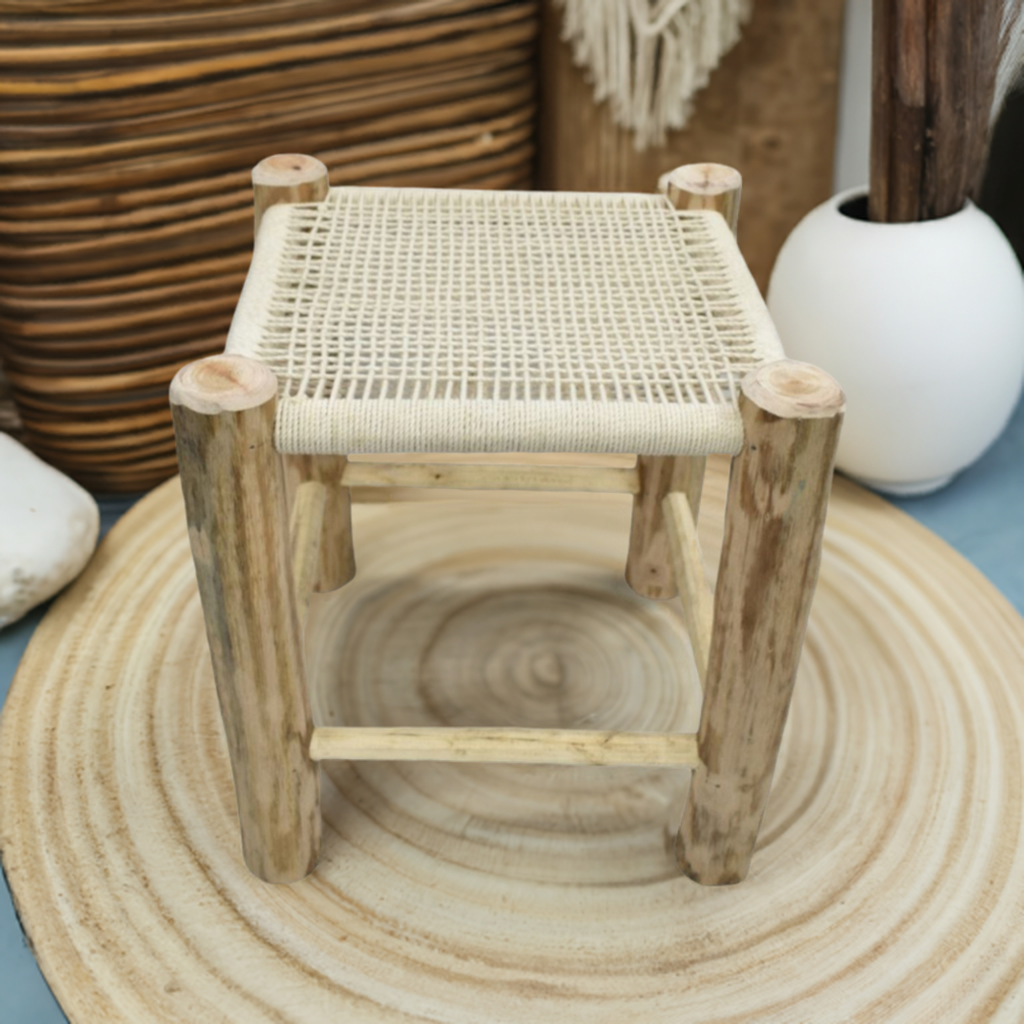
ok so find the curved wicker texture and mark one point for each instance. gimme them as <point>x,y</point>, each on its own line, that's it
<point>887,884</point>
<point>127,134</point>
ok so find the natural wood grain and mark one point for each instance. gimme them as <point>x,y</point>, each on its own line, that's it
<point>305,529</point>
<point>649,562</point>
<point>233,485</point>
<point>161,452</point>
<point>91,407</point>
<point>149,74</point>
<point>100,383</point>
<point>934,74</point>
<point>769,110</point>
<point>144,23</point>
<point>230,188</point>
<point>881,109</point>
<point>691,581</point>
<point>322,141</point>
<point>649,568</point>
<point>468,893</point>
<point>963,56</point>
<point>705,187</point>
<point>276,79</point>
<point>458,152</point>
<point>154,424</point>
<point>506,746</point>
<point>59,360</point>
<point>287,178</point>
<point>774,519</point>
<point>336,562</point>
<point>309,103</point>
<point>494,478</point>
<point>908,108</point>
<point>188,273</point>
<point>170,46</point>
<point>289,121</point>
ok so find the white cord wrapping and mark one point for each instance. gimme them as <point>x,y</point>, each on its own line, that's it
<point>401,320</point>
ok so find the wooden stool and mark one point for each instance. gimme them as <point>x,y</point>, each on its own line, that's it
<point>378,320</point>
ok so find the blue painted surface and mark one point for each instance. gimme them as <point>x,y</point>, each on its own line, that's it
<point>25,997</point>
<point>981,514</point>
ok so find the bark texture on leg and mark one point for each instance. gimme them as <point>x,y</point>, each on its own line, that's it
<point>775,517</point>
<point>233,484</point>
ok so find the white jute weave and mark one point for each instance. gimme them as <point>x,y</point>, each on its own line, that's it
<point>422,320</point>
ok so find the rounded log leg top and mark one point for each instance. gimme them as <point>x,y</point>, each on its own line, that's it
<point>287,178</point>
<point>792,390</point>
<point>705,187</point>
<point>223,383</point>
<point>288,170</point>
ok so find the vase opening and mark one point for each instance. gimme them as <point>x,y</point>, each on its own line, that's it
<point>856,208</point>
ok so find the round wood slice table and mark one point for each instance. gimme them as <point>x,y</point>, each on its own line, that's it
<point>888,884</point>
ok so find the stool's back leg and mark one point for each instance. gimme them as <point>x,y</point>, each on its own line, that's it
<point>337,556</point>
<point>233,485</point>
<point>774,521</point>
<point>705,187</point>
<point>649,563</point>
<point>297,178</point>
<point>287,178</point>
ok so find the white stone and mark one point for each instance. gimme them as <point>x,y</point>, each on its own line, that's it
<point>48,530</point>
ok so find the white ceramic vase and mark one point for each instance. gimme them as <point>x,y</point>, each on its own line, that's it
<point>923,326</point>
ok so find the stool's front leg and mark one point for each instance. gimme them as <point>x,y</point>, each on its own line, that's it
<point>775,517</point>
<point>233,484</point>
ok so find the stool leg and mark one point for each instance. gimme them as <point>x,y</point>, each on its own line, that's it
<point>775,516</point>
<point>705,187</point>
<point>649,563</point>
<point>337,556</point>
<point>233,484</point>
<point>287,178</point>
<point>648,566</point>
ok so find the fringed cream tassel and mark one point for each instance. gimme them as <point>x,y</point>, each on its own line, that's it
<point>1011,63</point>
<point>649,57</point>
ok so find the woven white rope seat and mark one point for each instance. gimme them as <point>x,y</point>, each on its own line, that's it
<point>423,320</point>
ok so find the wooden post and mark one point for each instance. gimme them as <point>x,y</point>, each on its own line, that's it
<point>287,178</point>
<point>337,555</point>
<point>505,746</point>
<point>296,178</point>
<point>504,477</point>
<point>775,516</point>
<point>899,115</point>
<point>305,528</point>
<point>233,485</point>
<point>688,568</point>
<point>933,85</point>
<point>649,563</point>
<point>705,187</point>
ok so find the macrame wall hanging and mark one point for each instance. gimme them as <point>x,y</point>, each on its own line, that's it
<point>649,58</point>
